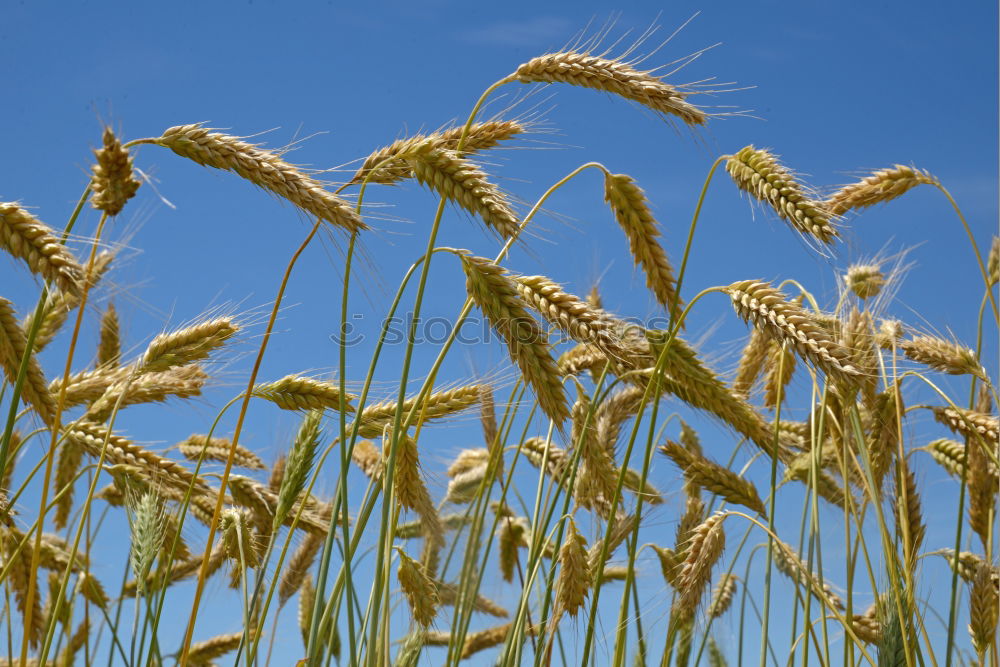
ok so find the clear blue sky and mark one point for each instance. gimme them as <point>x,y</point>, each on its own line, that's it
<point>837,89</point>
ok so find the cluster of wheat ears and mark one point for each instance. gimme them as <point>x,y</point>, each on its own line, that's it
<point>584,425</point>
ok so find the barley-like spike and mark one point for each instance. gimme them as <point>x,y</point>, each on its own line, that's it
<point>109,347</point>
<point>512,535</point>
<point>758,172</point>
<point>69,463</point>
<point>299,464</point>
<point>58,306</point>
<point>420,590</point>
<point>13,348</point>
<point>181,382</point>
<point>202,653</point>
<point>984,607</point>
<point>983,489</point>
<point>296,392</point>
<point>574,573</point>
<point>703,550</point>
<point>367,456</point>
<point>497,296</point>
<point>865,280</point>
<point>751,363</point>
<point>719,480</point>
<point>262,168</point>
<point>909,517</point>
<point>633,214</point>
<point>484,639</point>
<point>459,180</point>
<point>993,262</point>
<point>147,535</point>
<point>780,369</point>
<point>612,76</point>
<point>943,355</point>
<point>768,309</point>
<point>882,186</point>
<point>113,182</point>
<point>388,165</point>
<point>580,358</point>
<point>788,563</point>
<point>722,596</point>
<point>970,423</point>
<point>238,540</point>
<point>449,594</point>
<point>25,237</point>
<point>375,418</point>
<point>217,449</point>
<point>296,573</point>
<point>182,347</point>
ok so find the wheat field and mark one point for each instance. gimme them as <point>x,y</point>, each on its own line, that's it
<point>491,465</point>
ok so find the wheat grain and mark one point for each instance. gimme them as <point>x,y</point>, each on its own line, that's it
<point>882,186</point>
<point>758,172</point>
<point>113,182</point>
<point>613,76</point>
<point>25,237</point>
<point>262,168</point>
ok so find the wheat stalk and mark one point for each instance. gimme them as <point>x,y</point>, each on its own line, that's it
<point>262,168</point>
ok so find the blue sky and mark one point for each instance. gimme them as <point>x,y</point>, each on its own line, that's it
<point>837,89</point>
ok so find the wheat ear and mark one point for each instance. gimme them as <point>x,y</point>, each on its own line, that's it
<point>882,186</point>
<point>375,418</point>
<point>769,309</point>
<point>983,611</point>
<point>25,237</point>
<point>574,573</point>
<point>722,596</point>
<point>13,348</point>
<point>497,296</point>
<point>719,480</point>
<point>296,392</point>
<point>420,590</point>
<point>203,652</point>
<point>459,180</point>
<point>703,550</point>
<point>943,355</point>
<point>613,76</point>
<point>970,423</point>
<point>262,168</point>
<point>196,447</point>
<point>388,164</point>
<point>758,172</point>
<point>632,211</point>
<point>865,280</point>
<point>113,182</point>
